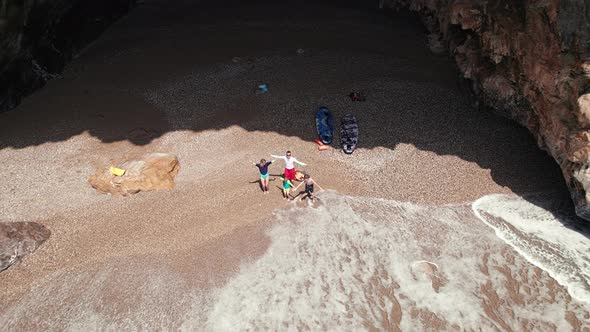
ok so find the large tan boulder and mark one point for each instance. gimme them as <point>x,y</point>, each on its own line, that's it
<point>18,239</point>
<point>151,172</point>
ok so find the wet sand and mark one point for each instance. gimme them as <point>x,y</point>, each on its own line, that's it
<point>181,80</point>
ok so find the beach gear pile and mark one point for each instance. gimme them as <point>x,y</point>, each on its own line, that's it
<point>349,131</point>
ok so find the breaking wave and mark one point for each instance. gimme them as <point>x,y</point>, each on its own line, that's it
<point>361,263</point>
<point>349,264</point>
<point>554,241</point>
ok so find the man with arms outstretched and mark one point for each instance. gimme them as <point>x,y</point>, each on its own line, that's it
<point>289,165</point>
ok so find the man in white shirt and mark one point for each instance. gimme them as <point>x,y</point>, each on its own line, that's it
<point>289,165</point>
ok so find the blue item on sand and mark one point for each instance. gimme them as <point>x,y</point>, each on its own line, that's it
<point>323,120</point>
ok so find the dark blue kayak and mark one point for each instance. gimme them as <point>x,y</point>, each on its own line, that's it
<point>323,121</point>
<point>349,133</point>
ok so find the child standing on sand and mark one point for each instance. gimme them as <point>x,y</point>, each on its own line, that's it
<point>287,185</point>
<point>289,165</point>
<point>309,183</point>
<point>263,168</point>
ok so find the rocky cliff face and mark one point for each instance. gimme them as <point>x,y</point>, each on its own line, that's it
<point>528,60</point>
<point>37,38</point>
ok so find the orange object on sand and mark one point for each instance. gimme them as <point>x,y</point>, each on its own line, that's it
<point>319,142</point>
<point>298,176</point>
<point>322,147</point>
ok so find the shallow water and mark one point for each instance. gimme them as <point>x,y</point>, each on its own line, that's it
<point>553,240</point>
<point>348,264</point>
<point>358,263</point>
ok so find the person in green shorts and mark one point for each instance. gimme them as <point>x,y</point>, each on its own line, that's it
<point>263,168</point>
<point>287,185</point>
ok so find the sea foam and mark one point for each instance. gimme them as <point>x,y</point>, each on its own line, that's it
<point>360,263</point>
<point>556,242</point>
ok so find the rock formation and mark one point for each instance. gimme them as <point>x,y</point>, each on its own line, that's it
<point>153,171</point>
<point>527,60</point>
<point>37,38</point>
<point>18,239</point>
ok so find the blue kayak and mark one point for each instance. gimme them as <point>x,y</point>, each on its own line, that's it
<point>323,121</point>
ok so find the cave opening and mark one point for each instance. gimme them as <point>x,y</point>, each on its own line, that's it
<point>184,65</point>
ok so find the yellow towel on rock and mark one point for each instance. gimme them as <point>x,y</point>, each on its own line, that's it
<point>117,171</point>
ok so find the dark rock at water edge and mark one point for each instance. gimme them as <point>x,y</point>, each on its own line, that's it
<point>18,239</point>
<point>38,38</point>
